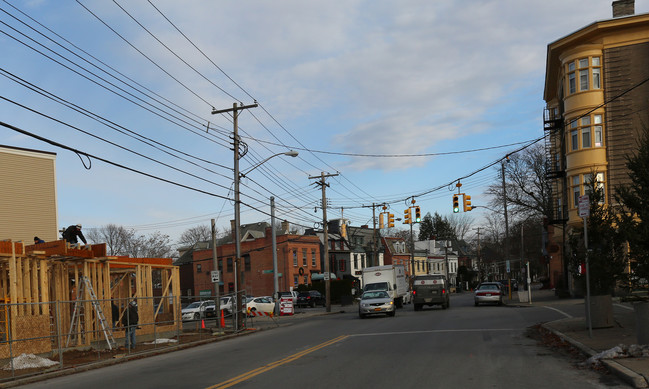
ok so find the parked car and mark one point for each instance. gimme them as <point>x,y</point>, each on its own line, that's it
<point>310,298</point>
<point>376,302</point>
<point>488,292</point>
<point>292,295</point>
<point>226,307</point>
<point>259,304</point>
<point>196,310</point>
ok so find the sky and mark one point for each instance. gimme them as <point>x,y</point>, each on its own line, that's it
<point>396,100</point>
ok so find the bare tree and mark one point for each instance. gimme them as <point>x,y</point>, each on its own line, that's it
<point>122,241</point>
<point>526,187</point>
<point>461,224</point>
<point>200,233</point>
<point>117,238</point>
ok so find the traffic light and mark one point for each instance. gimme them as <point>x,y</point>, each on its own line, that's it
<point>417,215</point>
<point>456,204</point>
<point>380,220</point>
<point>390,220</point>
<point>407,216</point>
<point>467,203</point>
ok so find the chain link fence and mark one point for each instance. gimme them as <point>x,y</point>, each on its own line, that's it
<point>42,337</point>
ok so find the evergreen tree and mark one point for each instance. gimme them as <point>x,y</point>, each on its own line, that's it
<point>606,249</point>
<point>436,227</point>
<point>634,212</point>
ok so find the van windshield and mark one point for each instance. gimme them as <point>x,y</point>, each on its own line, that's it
<point>378,286</point>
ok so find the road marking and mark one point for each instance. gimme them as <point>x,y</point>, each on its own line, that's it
<point>558,310</point>
<point>272,365</point>
<point>624,306</point>
<point>437,331</point>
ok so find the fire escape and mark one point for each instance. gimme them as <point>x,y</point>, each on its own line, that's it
<point>555,165</point>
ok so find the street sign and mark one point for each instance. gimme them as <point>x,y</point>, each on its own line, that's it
<point>584,206</point>
<point>508,267</point>
<point>216,275</point>
<point>326,276</point>
<point>267,271</point>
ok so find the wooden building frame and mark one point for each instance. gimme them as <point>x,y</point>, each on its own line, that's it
<point>38,286</point>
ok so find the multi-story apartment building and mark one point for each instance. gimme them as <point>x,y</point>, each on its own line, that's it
<point>597,100</point>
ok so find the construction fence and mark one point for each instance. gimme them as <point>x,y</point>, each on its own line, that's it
<point>58,335</point>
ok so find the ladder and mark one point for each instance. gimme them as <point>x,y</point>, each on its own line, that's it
<point>78,307</point>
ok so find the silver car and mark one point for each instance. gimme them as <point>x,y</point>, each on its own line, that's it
<point>376,302</point>
<point>488,292</point>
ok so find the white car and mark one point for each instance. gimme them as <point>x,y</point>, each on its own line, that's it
<point>259,304</point>
<point>196,310</point>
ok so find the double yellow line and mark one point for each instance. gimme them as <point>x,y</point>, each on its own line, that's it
<point>272,365</point>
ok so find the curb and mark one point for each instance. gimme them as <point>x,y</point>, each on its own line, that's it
<point>627,375</point>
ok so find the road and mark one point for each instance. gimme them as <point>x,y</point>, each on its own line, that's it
<point>462,347</point>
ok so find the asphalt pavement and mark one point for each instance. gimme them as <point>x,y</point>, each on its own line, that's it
<point>574,330</point>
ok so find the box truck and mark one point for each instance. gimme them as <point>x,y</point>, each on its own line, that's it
<point>391,278</point>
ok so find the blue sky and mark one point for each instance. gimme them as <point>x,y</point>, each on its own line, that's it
<point>336,80</point>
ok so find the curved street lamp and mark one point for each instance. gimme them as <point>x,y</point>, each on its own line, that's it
<point>237,223</point>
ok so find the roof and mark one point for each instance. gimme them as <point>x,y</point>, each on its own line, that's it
<point>590,34</point>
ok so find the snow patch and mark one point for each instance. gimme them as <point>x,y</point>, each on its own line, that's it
<point>28,361</point>
<point>620,351</point>
<point>162,341</point>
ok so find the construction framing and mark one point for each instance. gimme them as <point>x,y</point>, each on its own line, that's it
<point>38,285</point>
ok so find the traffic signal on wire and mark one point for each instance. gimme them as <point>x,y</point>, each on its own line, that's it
<point>390,220</point>
<point>456,204</point>
<point>466,199</point>
<point>380,220</point>
<point>417,215</point>
<point>407,216</point>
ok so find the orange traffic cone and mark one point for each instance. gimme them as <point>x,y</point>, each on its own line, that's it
<point>222,320</point>
<point>202,323</point>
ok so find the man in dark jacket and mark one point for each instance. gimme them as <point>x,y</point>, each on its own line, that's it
<point>129,321</point>
<point>70,235</point>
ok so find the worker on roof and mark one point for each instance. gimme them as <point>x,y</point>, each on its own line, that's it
<point>70,235</point>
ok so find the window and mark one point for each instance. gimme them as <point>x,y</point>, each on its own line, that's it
<point>304,260</point>
<point>295,258</point>
<point>306,280</point>
<point>597,130</point>
<point>355,261</point>
<point>295,280</point>
<point>230,287</point>
<point>574,139</point>
<point>597,79</point>
<point>585,136</point>
<point>572,84</point>
<point>586,71</point>
<point>246,263</point>
<point>220,262</point>
<point>229,265</point>
<point>576,191</point>
<point>583,80</point>
<point>199,268</point>
<point>313,257</point>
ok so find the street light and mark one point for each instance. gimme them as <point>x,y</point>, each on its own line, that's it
<point>237,226</point>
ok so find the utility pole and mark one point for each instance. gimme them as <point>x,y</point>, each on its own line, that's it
<point>215,266</point>
<point>375,243</point>
<point>327,275</point>
<point>506,221</point>
<point>237,206</point>
<point>274,238</point>
<point>479,262</point>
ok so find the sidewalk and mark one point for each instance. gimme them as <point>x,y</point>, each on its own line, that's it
<point>634,371</point>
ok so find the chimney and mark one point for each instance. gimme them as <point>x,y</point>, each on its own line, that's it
<point>285,227</point>
<point>623,8</point>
